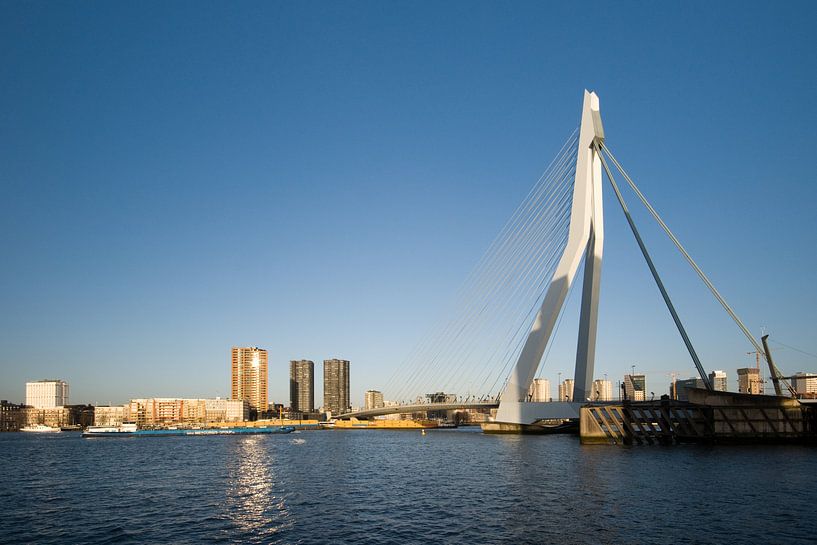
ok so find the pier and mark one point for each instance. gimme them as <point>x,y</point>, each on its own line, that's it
<point>708,417</point>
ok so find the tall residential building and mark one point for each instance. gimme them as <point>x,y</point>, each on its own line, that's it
<point>47,394</point>
<point>804,383</point>
<point>302,386</point>
<point>566,390</point>
<point>250,376</point>
<point>540,390</point>
<point>718,380</point>
<point>635,387</point>
<point>336,386</point>
<point>602,390</point>
<point>374,400</point>
<point>749,381</point>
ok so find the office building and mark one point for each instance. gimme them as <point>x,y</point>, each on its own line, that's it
<point>602,390</point>
<point>635,387</point>
<point>566,390</point>
<point>302,386</point>
<point>718,380</point>
<point>539,390</point>
<point>373,400</point>
<point>250,376</point>
<point>749,381</point>
<point>679,389</point>
<point>805,384</point>
<point>336,386</point>
<point>47,394</point>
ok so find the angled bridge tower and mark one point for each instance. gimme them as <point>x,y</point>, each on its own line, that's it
<point>585,238</point>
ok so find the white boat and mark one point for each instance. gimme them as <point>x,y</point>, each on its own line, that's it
<point>41,428</point>
<point>103,430</point>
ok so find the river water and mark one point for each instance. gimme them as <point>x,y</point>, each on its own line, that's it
<point>383,487</point>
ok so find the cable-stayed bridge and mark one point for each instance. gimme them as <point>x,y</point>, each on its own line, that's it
<point>488,349</point>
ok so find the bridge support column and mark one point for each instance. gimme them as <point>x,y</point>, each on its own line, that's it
<point>585,237</point>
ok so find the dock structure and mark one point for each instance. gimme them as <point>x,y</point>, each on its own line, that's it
<point>708,417</point>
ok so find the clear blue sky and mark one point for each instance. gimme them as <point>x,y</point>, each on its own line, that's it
<point>318,178</point>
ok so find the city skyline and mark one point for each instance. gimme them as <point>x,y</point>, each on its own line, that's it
<point>119,255</point>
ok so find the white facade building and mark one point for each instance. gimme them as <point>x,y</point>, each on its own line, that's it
<point>540,390</point>
<point>47,394</point>
<point>805,383</point>
<point>718,380</point>
<point>566,390</point>
<point>602,390</point>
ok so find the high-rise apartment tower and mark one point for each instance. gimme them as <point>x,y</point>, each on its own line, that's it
<point>250,375</point>
<point>336,386</point>
<point>302,385</point>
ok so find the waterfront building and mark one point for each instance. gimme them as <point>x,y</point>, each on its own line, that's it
<point>373,400</point>
<point>109,415</point>
<point>226,410</point>
<point>718,380</point>
<point>161,411</point>
<point>250,376</point>
<point>11,416</point>
<point>302,386</point>
<point>805,384</point>
<point>749,381</point>
<point>54,417</point>
<point>566,390</point>
<point>635,387</point>
<point>539,390</point>
<point>602,390</point>
<point>336,386</point>
<point>46,394</point>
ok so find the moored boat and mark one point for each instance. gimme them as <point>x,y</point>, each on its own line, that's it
<point>131,430</point>
<point>40,428</point>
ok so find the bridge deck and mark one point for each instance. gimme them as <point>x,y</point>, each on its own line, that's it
<point>419,408</point>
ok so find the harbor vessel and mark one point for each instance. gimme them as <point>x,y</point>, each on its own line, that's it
<point>131,430</point>
<point>40,428</point>
<point>355,424</point>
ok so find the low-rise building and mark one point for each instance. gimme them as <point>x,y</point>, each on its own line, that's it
<point>109,415</point>
<point>160,411</point>
<point>56,417</point>
<point>11,416</point>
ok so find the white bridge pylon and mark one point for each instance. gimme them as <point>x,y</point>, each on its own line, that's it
<point>585,238</point>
